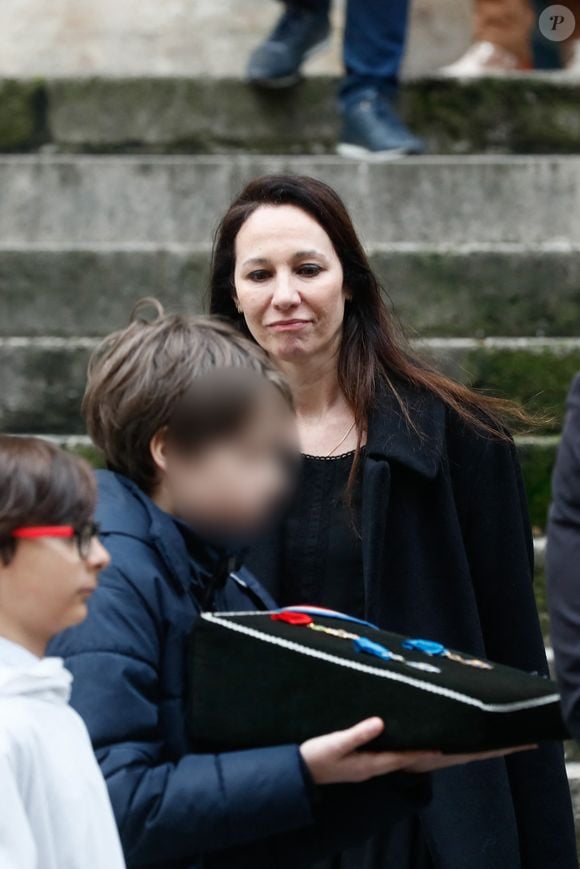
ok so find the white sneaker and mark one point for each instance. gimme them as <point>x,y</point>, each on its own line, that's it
<point>483,58</point>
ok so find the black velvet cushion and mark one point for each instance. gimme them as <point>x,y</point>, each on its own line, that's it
<point>255,681</point>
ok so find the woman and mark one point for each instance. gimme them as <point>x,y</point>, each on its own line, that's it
<point>411,510</point>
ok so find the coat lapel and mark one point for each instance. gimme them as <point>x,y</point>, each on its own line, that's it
<point>392,441</point>
<point>376,484</point>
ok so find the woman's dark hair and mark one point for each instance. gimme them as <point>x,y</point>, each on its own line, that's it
<point>374,351</point>
<point>197,377</point>
<point>40,484</point>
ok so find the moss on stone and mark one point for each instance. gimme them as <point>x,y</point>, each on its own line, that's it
<point>86,451</point>
<point>436,293</point>
<point>204,115</point>
<point>526,115</point>
<point>537,379</point>
<point>483,292</point>
<point>192,115</point>
<point>42,389</point>
<point>537,457</point>
<point>20,114</point>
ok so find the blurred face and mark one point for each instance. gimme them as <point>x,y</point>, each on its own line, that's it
<point>46,586</point>
<point>289,284</point>
<point>233,485</point>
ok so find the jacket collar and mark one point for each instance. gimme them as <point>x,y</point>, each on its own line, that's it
<point>391,437</point>
<point>126,510</point>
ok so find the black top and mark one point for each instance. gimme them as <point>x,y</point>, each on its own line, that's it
<point>315,556</point>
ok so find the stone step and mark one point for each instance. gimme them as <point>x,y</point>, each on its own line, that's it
<point>532,113</point>
<point>42,378</point>
<point>437,289</point>
<point>429,200</point>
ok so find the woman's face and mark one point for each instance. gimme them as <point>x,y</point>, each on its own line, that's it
<point>289,284</point>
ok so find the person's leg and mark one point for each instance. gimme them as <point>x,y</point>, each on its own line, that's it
<point>574,6</point>
<point>374,44</point>
<point>507,24</point>
<point>312,5</point>
<point>571,47</point>
<point>302,29</point>
<point>502,39</point>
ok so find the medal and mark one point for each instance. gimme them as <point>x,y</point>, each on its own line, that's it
<point>333,632</point>
<point>362,644</point>
<point>438,650</point>
<point>301,618</point>
<point>304,616</point>
<point>470,662</point>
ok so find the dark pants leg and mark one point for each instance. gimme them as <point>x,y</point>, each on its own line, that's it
<point>374,45</point>
<point>311,5</point>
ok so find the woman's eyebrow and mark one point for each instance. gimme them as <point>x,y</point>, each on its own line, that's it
<point>256,261</point>
<point>303,254</point>
<point>299,255</point>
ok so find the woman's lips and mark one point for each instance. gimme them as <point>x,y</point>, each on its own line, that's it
<point>288,325</point>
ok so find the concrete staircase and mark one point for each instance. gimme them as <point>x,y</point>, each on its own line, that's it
<point>110,189</point>
<point>479,254</point>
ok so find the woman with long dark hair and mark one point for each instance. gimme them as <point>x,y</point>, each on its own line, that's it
<point>410,512</point>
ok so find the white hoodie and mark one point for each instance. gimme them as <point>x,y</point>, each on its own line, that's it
<point>54,807</point>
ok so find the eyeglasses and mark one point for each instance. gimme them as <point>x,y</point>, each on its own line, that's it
<point>83,535</point>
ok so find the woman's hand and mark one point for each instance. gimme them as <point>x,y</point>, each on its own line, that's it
<point>444,761</point>
<point>335,757</point>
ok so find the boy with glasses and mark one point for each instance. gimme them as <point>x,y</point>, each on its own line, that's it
<point>55,808</point>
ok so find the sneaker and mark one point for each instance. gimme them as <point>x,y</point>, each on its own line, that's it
<point>298,34</point>
<point>484,58</point>
<point>373,131</point>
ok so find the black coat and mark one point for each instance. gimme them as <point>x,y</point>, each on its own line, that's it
<point>448,555</point>
<point>563,562</point>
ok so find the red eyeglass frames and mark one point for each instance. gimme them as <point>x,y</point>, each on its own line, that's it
<point>83,535</point>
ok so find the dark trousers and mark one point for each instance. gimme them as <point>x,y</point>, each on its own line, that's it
<point>374,44</point>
